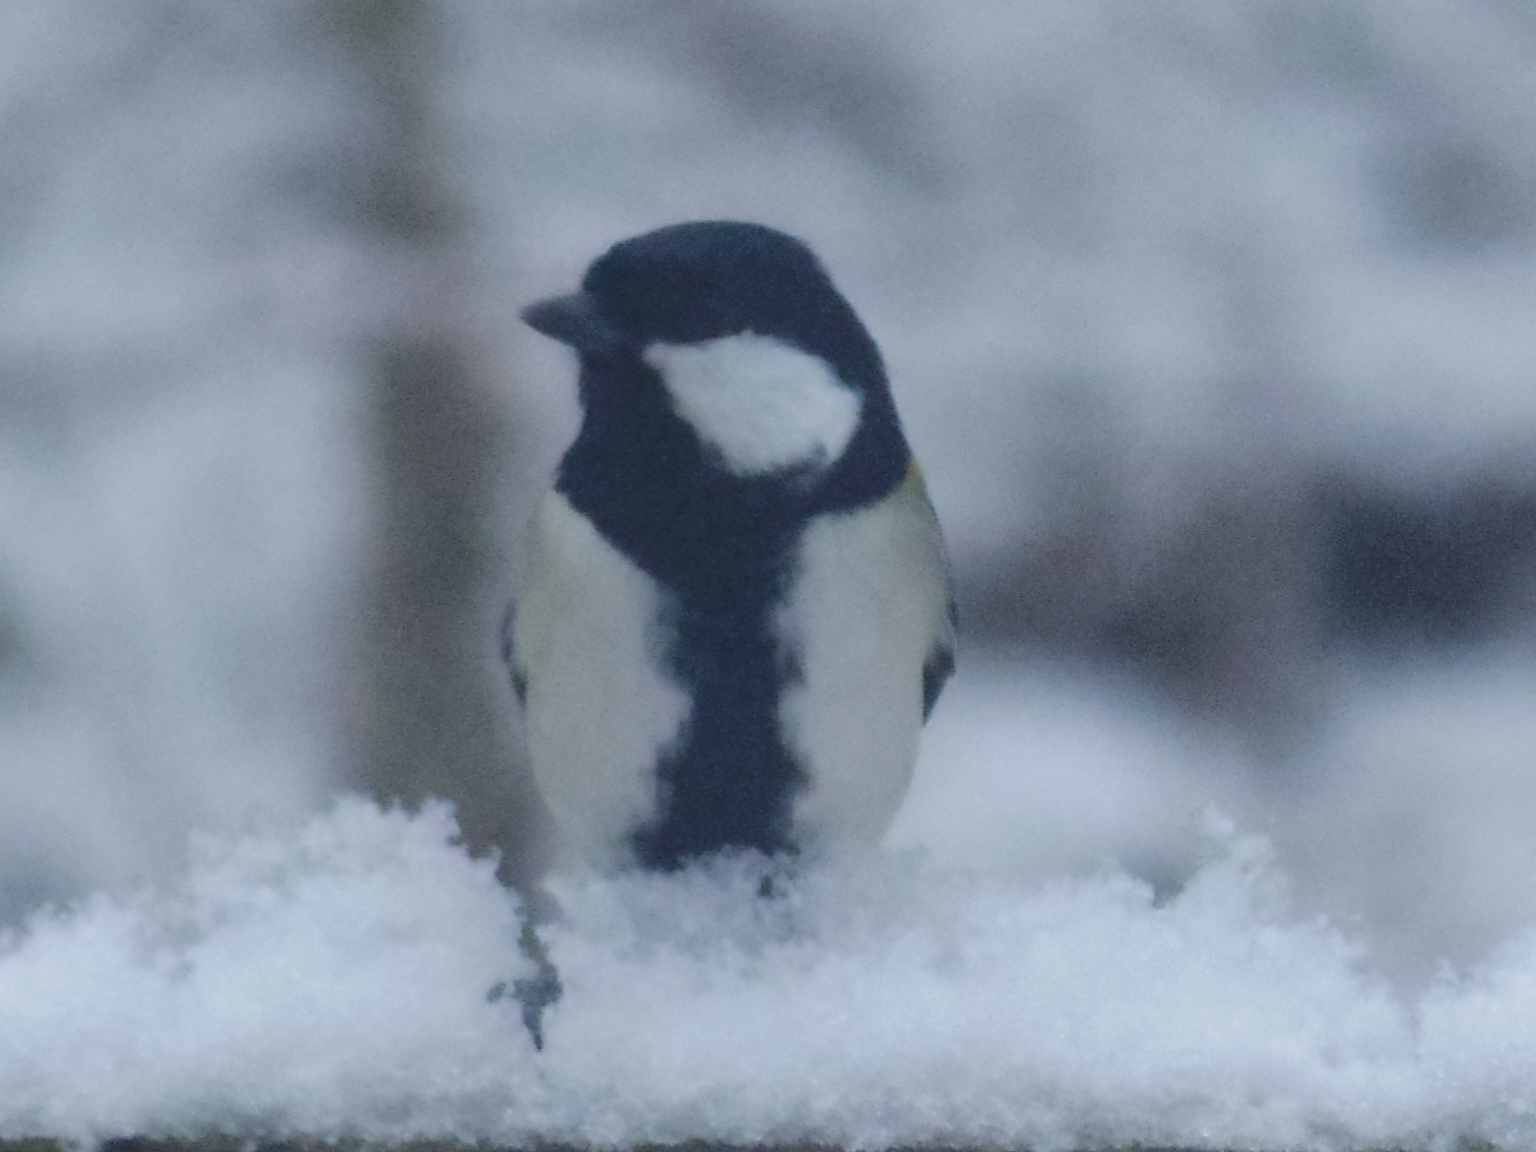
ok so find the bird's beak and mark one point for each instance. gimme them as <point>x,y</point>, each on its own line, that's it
<point>574,320</point>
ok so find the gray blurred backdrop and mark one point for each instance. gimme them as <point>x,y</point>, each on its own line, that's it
<point>1211,321</point>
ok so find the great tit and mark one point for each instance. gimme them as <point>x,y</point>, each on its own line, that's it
<point>737,611</point>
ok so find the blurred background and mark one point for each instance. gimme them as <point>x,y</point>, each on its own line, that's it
<point>1211,321</point>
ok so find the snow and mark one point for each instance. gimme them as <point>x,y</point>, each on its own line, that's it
<point>295,982</point>
<point>333,980</point>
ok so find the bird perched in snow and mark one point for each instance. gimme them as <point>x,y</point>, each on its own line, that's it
<point>737,612</point>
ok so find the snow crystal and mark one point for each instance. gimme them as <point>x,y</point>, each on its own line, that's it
<point>291,983</point>
<point>334,981</point>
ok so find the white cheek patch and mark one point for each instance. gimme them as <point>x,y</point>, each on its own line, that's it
<point>761,404</point>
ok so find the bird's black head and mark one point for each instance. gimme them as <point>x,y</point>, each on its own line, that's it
<point>695,282</point>
<point>718,360</point>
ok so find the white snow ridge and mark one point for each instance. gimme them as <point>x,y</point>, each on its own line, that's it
<point>334,983</point>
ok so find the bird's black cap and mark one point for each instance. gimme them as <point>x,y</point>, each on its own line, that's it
<point>701,280</point>
<point>688,284</point>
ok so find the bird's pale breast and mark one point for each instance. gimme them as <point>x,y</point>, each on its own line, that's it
<point>589,637</point>
<point>862,611</point>
<point>868,604</point>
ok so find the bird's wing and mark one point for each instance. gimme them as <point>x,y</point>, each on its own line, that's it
<point>509,656</point>
<point>940,665</point>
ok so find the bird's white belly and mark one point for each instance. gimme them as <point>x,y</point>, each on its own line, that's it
<point>868,601</point>
<point>590,638</point>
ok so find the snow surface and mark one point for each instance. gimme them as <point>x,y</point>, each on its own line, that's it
<point>334,981</point>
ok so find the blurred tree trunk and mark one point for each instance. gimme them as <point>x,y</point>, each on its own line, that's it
<point>437,715</point>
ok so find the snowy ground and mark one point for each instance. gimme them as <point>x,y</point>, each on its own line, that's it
<point>987,979</point>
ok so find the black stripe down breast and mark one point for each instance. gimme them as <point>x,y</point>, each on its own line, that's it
<point>721,545</point>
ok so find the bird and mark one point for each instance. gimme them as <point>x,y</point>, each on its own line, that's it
<point>737,610</point>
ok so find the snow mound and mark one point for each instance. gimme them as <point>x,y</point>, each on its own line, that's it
<point>330,981</point>
<point>334,982</point>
